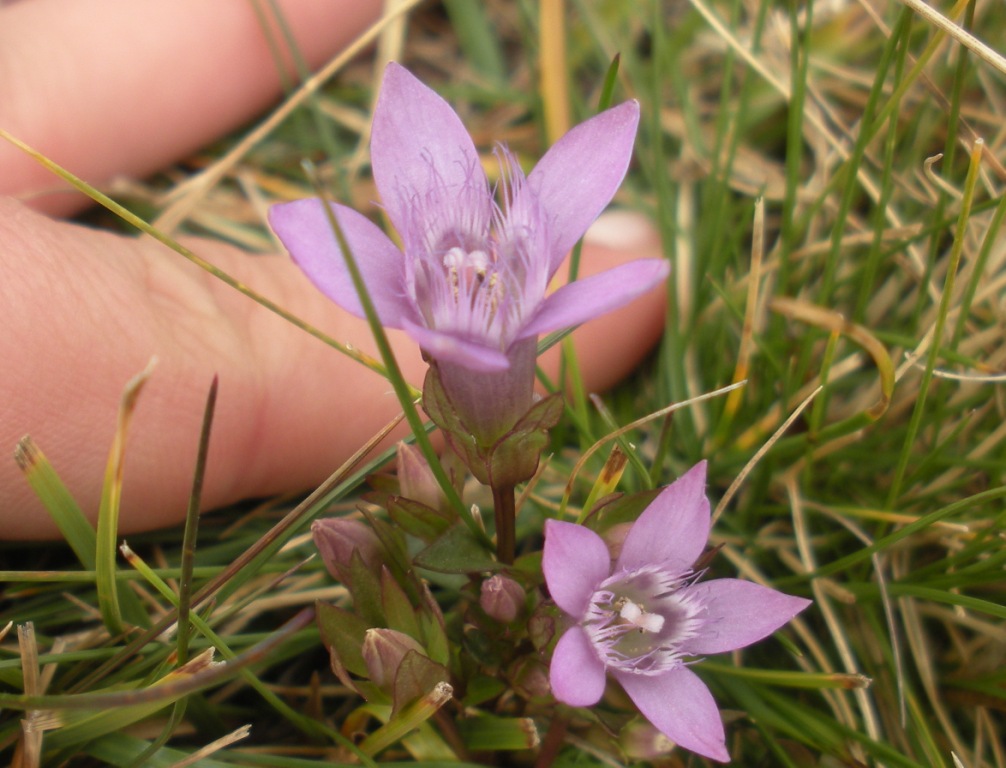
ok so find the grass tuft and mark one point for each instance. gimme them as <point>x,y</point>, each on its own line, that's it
<point>822,253</point>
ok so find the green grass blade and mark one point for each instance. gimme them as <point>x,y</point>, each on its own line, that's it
<point>59,503</point>
<point>108,510</point>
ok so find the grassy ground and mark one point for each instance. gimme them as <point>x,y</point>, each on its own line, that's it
<point>834,226</point>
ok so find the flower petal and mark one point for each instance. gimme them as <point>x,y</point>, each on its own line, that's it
<point>593,296</point>
<point>576,674</point>
<point>680,705</point>
<point>673,530</point>
<point>305,230</point>
<point>578,176</point>
<point>417,142</point>
<point>450,348</point>
<point>738,613</point>
<point>575,561</point>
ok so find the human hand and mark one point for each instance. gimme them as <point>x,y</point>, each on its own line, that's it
<point>124,88</point>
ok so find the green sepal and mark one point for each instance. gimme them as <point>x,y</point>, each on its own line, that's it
<point>438,405</point>
<point>342,633</point>
<point>417,675</point>
<point>396,556</point>
<point>398,608</point>
<point>417,519</point>
<point>510,460</point>
<point>434,629</point>
<point>365,587</point>
<point>457,551</point>
<point>441,411</point>
<point>619,508</point>
<point>514,458</point>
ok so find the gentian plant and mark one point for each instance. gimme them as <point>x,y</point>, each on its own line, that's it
<point>470,284</point>
<point>644,616</point>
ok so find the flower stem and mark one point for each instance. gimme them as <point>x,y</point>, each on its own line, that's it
<point>552,743</point>
<point>505,511</point>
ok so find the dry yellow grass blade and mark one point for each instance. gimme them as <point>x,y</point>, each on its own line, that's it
<point>554,82</point>
<point>958,33</point>
<point>830,320</point>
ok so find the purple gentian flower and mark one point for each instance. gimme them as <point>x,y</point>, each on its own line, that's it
<point>470,283</point>
<point>644,617</point>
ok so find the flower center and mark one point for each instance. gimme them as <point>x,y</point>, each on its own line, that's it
<point>479,268</point>
<point>639,620</point>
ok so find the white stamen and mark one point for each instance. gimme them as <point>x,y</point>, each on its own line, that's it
<point>454,259</point>
<point>648,622</point>
<point>478,261</point>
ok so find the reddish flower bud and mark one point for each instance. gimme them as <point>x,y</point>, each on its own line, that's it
<point>643,741</point>
<point>541,626</point>
<point>502,598</point>
<point>337,538</point>
<point>415,478</point>
<point>383,651</point>
<point>614,537</point>
<point>530,679</point>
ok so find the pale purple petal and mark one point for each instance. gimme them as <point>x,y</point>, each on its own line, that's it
<point>673,530</point>
<point>417,142</point>
<point>447,347</point>
<point>680,705</point>
<point>738,613</point>
<point>576,674</point>
<point>305,230</point>
<point>575,561</point>
<point>592,296</point>
<point>579,175</point>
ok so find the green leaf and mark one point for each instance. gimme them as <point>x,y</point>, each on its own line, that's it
<point>483,688</point>
<point>457,551</point>
<point>82,726</point>
<point>488,733</point>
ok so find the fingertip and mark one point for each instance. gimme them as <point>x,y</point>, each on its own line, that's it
<point>610,347</point>
<point>624,234</point>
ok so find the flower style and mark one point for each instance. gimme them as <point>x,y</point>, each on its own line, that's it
<point>470,283</point>
<point>643,617</point>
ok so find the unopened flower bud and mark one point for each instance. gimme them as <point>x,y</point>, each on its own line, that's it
<point>337,538</point>
<point>502,598</point>
<point>383,651</point>
<point>541,626</point>
<point>415,478</point>
<point>614,537</point>
<point>530,678</point>
<point>642,741</point>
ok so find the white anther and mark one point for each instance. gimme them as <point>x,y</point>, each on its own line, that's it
<point>648,622</point>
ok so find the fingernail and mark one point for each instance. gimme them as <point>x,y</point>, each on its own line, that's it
<point>621,230</point>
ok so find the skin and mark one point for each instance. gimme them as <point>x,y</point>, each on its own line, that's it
<point>123,87</point>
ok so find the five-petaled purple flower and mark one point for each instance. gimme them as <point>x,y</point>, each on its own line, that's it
<point>643,617</point>
<point>470,283</point>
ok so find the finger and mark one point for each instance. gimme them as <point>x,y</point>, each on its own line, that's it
<point>94,307</point>
<point>124,87</point>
